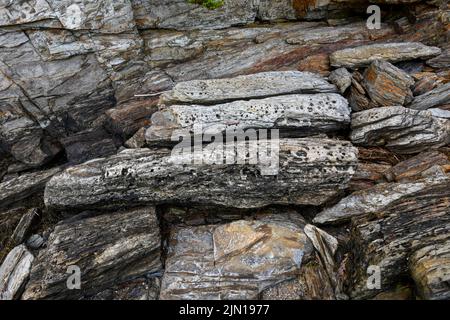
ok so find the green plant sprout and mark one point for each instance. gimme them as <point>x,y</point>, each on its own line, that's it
<point>209,4</point>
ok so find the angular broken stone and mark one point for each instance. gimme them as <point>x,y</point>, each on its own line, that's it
<point>368,174</point>
<point>341,78</point>
<point>259,85</point>
<point>430,269</point>
<point>107,249</point>
<point>389,237</point>
<point>129,117</point>
<point>387,85</point>
<point>381,197</point>
<point>87,145</point>
<point>413,168</point>
<point>297,114</point>
<point>14,272</point>
<point>24,226</point>
<point>436,97</point>
<point>19,188</point>
<point>400,129</point>
<point>233,261</point>
<point>307,171</point>
<point>393,52</point>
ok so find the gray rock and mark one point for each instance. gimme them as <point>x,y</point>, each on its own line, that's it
<point>24,226</point>
<point>392,52</point>
<point>400,129</point>
<point>341,78</point>
<point>300,115</point>
<point>311,171</point>
<point>233,261</point>
<point>436,97</point>
<point>430,269</point>
<point>378,198</point>
<point>108,249</point>
<point>17,189</point>
<point>259,85</point>
<point>14,272</point>
<point>35,241</point>
<point>387,85</point>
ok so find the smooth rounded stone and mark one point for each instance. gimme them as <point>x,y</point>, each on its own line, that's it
<point>237,260</point>
<point>402,130</point>
<point>259,85</point>
<point>14,272</point>
<point>378,198</point>
<point>300,115</point>
<point>306,171</point>
<point>341,78</point>
<point>430,269</point>
<point>108,249</point>
<point>35,241</point>
<point>393,52</point>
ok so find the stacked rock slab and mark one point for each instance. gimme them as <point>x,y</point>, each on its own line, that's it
<point>105,250</point>
<point>307,171</point>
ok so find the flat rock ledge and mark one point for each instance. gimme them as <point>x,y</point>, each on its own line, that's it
<point>307,171</point>
<point>400,129</point>
<point>259,85</point>
<point>393,52</point>
<point>298,115</point>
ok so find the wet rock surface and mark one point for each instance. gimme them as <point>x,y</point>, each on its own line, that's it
<point>92,93</point>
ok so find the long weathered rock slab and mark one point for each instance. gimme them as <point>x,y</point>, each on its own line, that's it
<point>19,188</point>
<point>379,198</point>
<point>310,171</point>
<point>107,249</point>
<point>301,115</point>
<point>433,98</point>
<point>259,85</point>
<point>392,52</point>
<point>400,129</point>
<point>430,269</point>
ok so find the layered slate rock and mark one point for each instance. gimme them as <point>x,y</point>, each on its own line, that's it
<point>14,272</point>
<point>259,85</point>
<point>295,114</point>
<point>24,186</point>
<point>108,249</point>
<point>234,261</point>
<point>416,167</point>
<point>388,237</point>
<point>306,171</point>
<point>400,129</point>
<point>393,52</point>
<point>434,98</point>
<point>381,197</point>
<point>387,85</point>
<point>430,269</point>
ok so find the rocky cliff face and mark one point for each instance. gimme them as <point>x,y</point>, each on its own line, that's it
<point>92,93</point>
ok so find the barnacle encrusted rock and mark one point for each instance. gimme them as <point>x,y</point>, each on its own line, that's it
<point>107,249</point>
<point>400,129</point>
<point>298,115</point>
<point>259,85</point>
<point>306,171</point>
